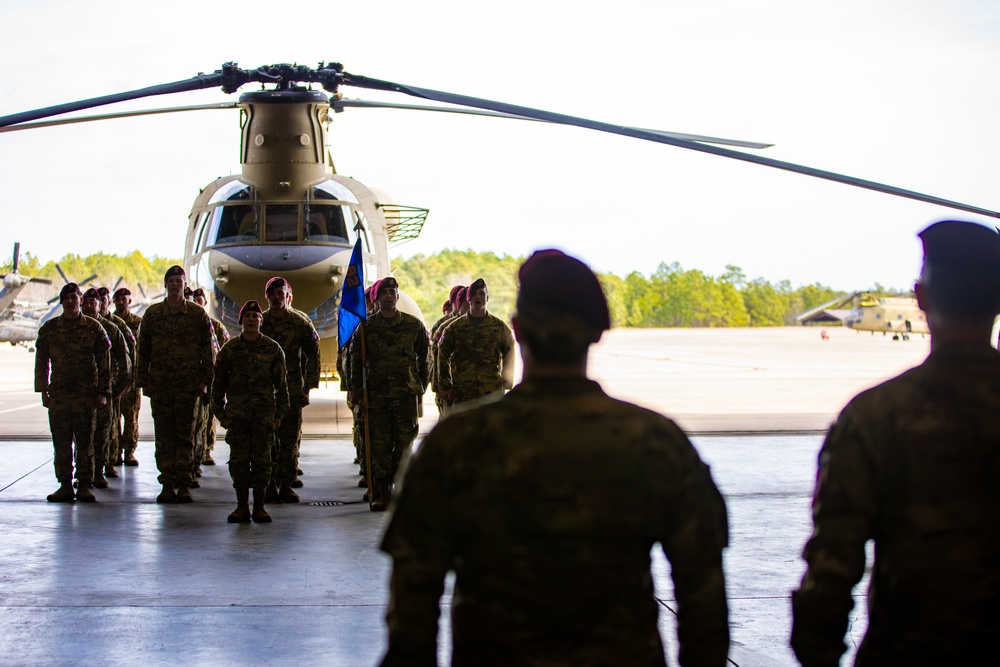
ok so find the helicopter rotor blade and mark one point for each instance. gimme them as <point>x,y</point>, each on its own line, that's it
<point>512,109</point>
<point>117,115</point>
<point>88,281</point>
<point>62,274</point>
<point>141,290</point>
<point>118,284</point>
<point>17,252</point>
<point>342,103</point>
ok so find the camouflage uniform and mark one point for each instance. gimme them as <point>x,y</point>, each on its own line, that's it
<point>249,390</point>
<point>432,355</point>
<point>175,356</point>
<point>475,358</point>
<point>205,425</point>
<point>121,380</point>
<point>546,505</point>
<point>912,464</point>
<point>299,341</point>
<point>78,353</point>
<point>397,379</point>
<point>128,438</point>
<point>114,440</point>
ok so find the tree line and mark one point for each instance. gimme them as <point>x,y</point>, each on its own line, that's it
<point>671,297</point>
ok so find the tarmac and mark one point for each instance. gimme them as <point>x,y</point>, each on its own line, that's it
<point>126,581</point>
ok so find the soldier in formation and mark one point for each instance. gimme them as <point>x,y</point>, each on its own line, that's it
<point>73,375</point>
<point>397,375</point>
<point>250,397</point>
<point>913,464</point>
<point>175,359</point>
<point>475,356</point>
<point>205,427</point>
<point>128,429</point>
<point>294,332</point>
<point>546,504</point>
<point>121,381</point>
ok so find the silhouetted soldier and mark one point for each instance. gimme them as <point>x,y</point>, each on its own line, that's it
<point>546,505</point>
<point>128,435</point>
<point>914,464</point>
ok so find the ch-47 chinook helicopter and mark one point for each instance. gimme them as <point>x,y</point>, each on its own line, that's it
<point>288,213</point>
<point>898,316</point>
<point>18,320</point>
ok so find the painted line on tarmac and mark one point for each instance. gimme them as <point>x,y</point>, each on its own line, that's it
<point>20,407</point>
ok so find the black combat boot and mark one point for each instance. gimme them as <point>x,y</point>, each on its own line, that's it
<point>242,512</point>
<point>85,495</point>
<point>260,515</point>
<point>184,494</point>
<point>167,495</point>
<point>110,472</point>
<point>286,495</point>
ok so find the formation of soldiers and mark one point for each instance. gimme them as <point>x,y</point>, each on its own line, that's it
<point>547,501</point>
<point>92,366</point>
<point>467,359</point>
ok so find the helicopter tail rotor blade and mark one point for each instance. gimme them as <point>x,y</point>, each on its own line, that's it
<point>340,104</point>
<point>637,133</point>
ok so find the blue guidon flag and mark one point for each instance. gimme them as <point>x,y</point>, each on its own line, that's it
<point>352,300</point>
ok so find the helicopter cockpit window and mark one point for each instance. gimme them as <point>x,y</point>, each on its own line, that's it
<point>282,223</point>
<point>237,224</point>
<point>325,224</point>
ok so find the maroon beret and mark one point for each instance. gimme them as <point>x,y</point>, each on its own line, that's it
<point>477,284</point>
<point>198,292</point>
<point>552,281</point>
<point>69,288</point>
<point>462,296</point>
<point>122,291</point>
<point>174,271</point>
<point>446,307</point>
<point>92,294</point>
<point>454,292</point>
<point>103,291</point>
<point>387,283</point>
<point>250,306</point>
<point>274,283</point>
<point>373,291</point>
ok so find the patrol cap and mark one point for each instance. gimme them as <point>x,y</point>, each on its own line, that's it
<point>250,306</point>
<point>92,294</point>
<point>67,289</point>
<point>174,270</point>
<point>198,292</point>
<point>478,284</point>
<point>121,291</point>
<point>553,282</point>
<point>386,283</point>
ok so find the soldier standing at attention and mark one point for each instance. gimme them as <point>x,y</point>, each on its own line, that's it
<point>129,434</point>
<point>450,313</point>
<point>396,344</point>
<point>121,380</point>
<point>476,354</point>
<point>207,418</point>
<point>546,505</point>
<point>115,448</point>
<point>175,361</point>
<point>72,373</point>
<point>914,464</point>
<point>250,396</point>
<point>298,339</point>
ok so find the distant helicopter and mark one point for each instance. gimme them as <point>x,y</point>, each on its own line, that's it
<point>897,315</point>
<point>18,320</point>
<point>290,214</point>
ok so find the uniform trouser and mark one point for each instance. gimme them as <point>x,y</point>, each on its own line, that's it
<point>210,432</point>
<point>250,441</point>
<point>102,436</point>
<point>173,424</point>
<point>129,439</point>
<point>286,442</point>
<point>72,419</point>
<point>392,427</point>
<point>358,433</point>
<point>200,434</point>
<point>114,443</point>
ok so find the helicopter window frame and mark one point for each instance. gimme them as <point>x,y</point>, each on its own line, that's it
<point>329,219</point>
<point>280,231</point>
<point>235,223</point>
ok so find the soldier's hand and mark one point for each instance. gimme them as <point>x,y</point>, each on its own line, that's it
<point>45,399</point>
<point>100,401</point>
<point>305,398</point>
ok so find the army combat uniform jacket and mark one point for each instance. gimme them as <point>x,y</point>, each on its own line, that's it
<point>913,464</point>
<point>546,504</point>
<point>250,380</point>
<point>77,352</point>
<point>175,352</point>
<point>298,339</point>
<point>397,359</point>
<point>475,357</point>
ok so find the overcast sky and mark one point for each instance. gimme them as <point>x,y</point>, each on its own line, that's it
<point>904,92</point>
